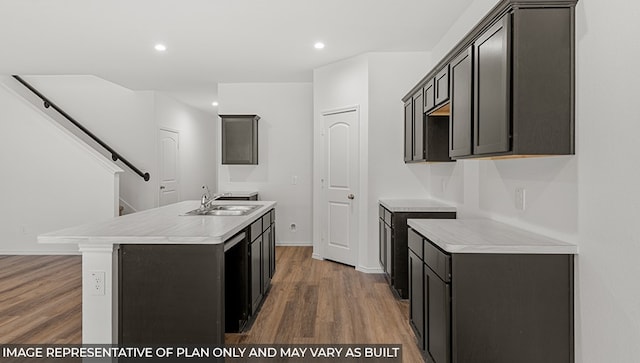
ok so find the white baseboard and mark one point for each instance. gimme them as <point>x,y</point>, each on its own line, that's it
<point>38,253</point>
<point>370,270</point>
<point>295,243</point>
<point>316,256</point>
<point>128,209</point>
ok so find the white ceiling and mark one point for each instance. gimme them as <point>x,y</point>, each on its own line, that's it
<point>209,41</point>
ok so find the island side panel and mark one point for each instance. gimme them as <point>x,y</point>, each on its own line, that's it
<point>171,294</point>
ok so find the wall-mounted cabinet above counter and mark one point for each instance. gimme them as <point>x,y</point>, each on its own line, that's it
<point>240,139</point>
<point>505,90</point>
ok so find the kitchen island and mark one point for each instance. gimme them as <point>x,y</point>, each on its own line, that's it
<point>159,277</point>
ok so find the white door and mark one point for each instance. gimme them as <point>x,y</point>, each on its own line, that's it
<point>169,172</point>
<point>340,196</point>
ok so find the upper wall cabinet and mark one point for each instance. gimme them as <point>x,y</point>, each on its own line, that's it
<point>425,134</point>
<point>510,83</point>
<point>240,139</point>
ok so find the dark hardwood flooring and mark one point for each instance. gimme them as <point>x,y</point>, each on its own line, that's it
<point>322,302</point>
<point>40,299</point>
<point>310,301</point>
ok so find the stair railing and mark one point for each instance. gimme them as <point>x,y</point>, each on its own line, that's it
<point>114,155</point>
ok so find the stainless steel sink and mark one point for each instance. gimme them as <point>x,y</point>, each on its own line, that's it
<point>223,210</point>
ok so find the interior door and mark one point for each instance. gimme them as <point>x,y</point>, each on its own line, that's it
<point>169,172</point>
<point>340,186</point>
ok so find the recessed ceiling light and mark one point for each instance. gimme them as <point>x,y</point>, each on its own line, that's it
<point>214,104</point>
<point>160,47</point>
<point>318,45</point>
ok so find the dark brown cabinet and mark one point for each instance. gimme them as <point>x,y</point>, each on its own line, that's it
<point>408,131</point>
<point>429,96</point>
<point>262,256</point>
<point>510,84</point>
<point>393,245</point>
<point>418,128</point>
<point>441,82</point>
<point>240,139</point>
<point>491,90</point>
<point>460,132</point>
<point>488,307</point>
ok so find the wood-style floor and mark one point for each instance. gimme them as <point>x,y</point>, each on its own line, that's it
<point>40,299</point>
<point>322,302</point>
<point>310,302</point>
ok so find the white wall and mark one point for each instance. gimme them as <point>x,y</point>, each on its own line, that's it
<point>588,198</point>
<point>129,121</point>
<point>50,181</point>
<point>121,117</point>
<point>285,137</point>
<point>376,83</point>
<point>198,135</point>
<point>609,203</point>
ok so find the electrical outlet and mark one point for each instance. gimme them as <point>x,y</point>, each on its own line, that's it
<point>520,198</point>
<point>96,283</point>
<point>294,180</point>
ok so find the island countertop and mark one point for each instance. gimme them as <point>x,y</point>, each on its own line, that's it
<point>416,205</point>
<point>163,225</point>
<point>487,236</point>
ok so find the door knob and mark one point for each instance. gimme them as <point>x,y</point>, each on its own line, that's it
<point>162,187</point>
<point>351,196</point>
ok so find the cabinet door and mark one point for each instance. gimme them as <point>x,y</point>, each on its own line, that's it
<point>492,89</point>
<point>256,273</point>
<point>382,247</point>
<point>429,96</point>
<point>272,249</point>
<point>437,321</point>
<point>416,297</point>
<point>461,100</point>
<point>418,128</point>
<point>388,233</point>
<point>266,256</point>
<point>408,131</point>
<point>442,85</point>
<point>240,139</point>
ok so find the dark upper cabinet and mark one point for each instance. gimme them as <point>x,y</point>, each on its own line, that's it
<point>442,86</point>
<point>491,90</point>
<point>418,128</point>
<point>429,96</point>
<point>460,132</point>
<point>240,139</point>
<point>510,83</point>
<point>408,130</point>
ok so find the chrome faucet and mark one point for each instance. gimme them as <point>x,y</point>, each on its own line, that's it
<point>207,198</point>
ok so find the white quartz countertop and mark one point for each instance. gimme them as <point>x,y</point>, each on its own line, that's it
<point>486,236</point>
<point>161,225</point>
<point>240,194</point>
<point>416,205</point>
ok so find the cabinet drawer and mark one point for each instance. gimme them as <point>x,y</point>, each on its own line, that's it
<point>256,229</point>
<point>266,221</point>
<point>415,243</point>
<point>437,260</point>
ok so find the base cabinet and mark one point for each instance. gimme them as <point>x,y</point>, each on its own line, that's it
<point>487,307</point>
<point>393,245</point>
<point>262,254</point>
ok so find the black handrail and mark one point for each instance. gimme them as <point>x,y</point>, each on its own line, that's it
<point>114,155</point>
